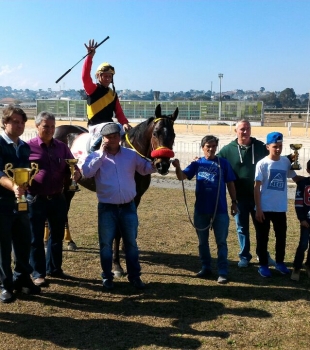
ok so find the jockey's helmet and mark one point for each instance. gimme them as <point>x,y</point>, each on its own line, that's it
<point>105,67</point>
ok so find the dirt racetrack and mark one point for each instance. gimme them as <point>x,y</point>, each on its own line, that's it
<point>191,134</point>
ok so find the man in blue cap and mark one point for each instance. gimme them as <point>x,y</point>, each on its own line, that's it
<point>270,194</point>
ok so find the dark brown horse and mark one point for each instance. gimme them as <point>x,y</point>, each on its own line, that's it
<point>152,139</point>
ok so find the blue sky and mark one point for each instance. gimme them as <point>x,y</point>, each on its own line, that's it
<point>165,45</point>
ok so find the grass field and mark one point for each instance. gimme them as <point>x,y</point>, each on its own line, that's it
<point>177,310</point>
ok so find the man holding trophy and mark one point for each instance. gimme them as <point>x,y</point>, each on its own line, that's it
<point>46,200</point>
<point>14,221</point>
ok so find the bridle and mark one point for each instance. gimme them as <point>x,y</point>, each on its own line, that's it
<point>156,152</point>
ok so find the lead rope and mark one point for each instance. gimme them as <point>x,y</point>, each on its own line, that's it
<point>216,203</point>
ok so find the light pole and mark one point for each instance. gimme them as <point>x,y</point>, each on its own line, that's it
<point>220,104</point>
<point>308,111</point>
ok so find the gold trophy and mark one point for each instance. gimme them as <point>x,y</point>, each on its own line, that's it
<point>21,177</point>
<point>74,186</point>
<point>295,147</point>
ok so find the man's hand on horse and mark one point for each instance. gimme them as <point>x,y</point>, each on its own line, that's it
<point>91,47</point>
<point>127,127</point>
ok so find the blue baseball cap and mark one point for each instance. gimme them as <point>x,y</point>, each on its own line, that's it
<point>274,137</point>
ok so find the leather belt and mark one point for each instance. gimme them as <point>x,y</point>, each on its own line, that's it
<point>118,205</point>
<point>49,196</point>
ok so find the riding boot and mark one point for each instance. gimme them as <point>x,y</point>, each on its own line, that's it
<point>96,145</point>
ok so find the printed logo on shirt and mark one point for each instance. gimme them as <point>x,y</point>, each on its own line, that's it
<point>277,180</point>
<point>208,172</point>
<point>307,195</point>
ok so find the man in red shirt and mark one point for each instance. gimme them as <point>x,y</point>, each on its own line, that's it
<point>102,101</point>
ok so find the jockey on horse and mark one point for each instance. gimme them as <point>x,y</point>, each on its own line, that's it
<point>102,101</point>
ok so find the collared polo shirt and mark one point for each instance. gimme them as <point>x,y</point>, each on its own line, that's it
<point>52,166</point>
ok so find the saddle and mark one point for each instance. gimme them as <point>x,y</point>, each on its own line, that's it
<point>80,148</point>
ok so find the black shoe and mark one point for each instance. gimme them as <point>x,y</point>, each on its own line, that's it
<point>204,273</point>
<point>108,284</point>
<point>137,283</point>
<point>26,286</point>
<point>60,274</point>
<point>6,296</point>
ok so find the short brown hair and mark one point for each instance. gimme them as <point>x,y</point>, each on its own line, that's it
<point>9,111</point>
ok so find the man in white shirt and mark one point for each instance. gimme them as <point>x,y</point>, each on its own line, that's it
<point>113,168</point>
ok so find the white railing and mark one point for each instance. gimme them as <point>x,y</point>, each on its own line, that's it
<point>187,151</point>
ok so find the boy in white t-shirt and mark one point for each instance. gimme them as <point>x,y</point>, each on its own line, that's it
<point>270,194</point>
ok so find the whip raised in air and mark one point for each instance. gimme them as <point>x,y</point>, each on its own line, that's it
<point>69,70</point>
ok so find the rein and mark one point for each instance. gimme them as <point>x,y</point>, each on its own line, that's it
<point>132,146</point>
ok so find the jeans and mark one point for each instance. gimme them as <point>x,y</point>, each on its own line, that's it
<point>110,218</point>
<point>14,231</point>
<point>242,219</point>
<point>278,220</point>
<point>220,228</point>
<point>304,242</point>
<point>53,209</point>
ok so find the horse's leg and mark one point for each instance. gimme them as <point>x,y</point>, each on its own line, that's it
<point>142,184</point>
<point>117,268</point>
<point>67,236</point>
<point>46,234</point>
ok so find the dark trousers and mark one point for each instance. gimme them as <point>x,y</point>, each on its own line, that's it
<point>278,219</point>
<point>303,245</point>
<point>14,232</point>
<point>53,209</point>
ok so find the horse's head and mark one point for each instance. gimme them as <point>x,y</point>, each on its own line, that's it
<point>162,140</point>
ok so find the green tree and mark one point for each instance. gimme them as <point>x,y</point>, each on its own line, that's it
<point>271,100</point>
<point>287,97</point>
<point>82,93</point>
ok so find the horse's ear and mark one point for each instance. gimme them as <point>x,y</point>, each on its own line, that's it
<point>175,114</point>
<point>158,111</point>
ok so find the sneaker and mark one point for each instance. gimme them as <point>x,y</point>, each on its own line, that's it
<point>264,271</point>
<point>40,282</point>
<point>137,283</point>
<point>243,263</point>
<point>282,268</point>
<point>108,284</point>
<point>295,275</point>
<point>222,279</point>
<point>271,262</point>
<point>204,273</point>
